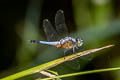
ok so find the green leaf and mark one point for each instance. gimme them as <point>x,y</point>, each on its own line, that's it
<point>51,64</point>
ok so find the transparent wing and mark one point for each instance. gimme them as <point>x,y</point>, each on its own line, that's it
<point>61,27</point>
<point>49,30</point>
<point>73,64</point>
<point>88,57</point>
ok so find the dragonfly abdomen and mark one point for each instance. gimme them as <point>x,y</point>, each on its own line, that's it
<point>44,42</point>
<point>34,41</point>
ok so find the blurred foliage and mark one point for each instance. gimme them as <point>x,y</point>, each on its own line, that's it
<point>95,21</point>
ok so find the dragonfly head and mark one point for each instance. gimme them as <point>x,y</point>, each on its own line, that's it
<point>79,42</point>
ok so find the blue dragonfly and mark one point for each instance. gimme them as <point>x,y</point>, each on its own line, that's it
<point>59,37</point>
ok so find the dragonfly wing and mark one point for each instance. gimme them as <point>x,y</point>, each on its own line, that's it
<point>61,27</point>
<point>88,57</point>
<point>49,30</point>
<point>73,64</point>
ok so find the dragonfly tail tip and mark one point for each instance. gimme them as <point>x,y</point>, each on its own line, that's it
<point>30,41</point>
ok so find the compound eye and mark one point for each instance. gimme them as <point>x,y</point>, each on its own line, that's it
<point>79,42</point>
<point>77,39</point>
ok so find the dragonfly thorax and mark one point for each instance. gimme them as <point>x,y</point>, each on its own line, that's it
<point>64,40</point>
<point>69,42</point>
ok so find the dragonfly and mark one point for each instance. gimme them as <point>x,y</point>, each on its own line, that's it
<point>59,37</point>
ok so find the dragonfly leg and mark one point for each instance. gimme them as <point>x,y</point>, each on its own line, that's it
<point>73,49</point>
<point>76,47</point>
<point>66,50</point>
